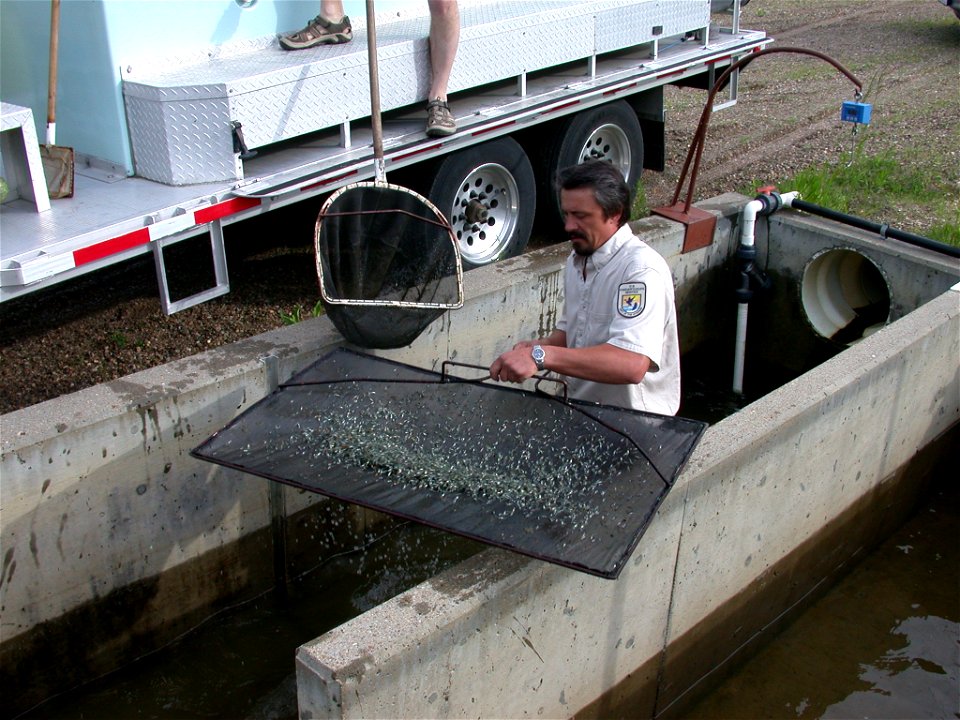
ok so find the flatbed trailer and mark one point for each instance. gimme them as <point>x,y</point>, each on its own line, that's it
<point>604,99</point>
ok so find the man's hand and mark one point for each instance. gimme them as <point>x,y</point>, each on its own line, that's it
<point>515,365</point>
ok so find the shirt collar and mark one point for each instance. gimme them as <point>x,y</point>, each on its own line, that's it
<point>604,254</point>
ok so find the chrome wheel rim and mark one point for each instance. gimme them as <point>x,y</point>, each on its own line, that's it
<point>608,142</point>
<point>485,213</point>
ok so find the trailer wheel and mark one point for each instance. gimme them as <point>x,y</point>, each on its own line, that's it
<point>488,193</point>
<point>609,132</point>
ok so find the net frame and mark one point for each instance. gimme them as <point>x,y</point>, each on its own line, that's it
<point>437,219</point>
<point>274,439</point>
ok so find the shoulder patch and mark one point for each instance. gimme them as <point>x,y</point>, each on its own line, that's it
<point>632,299</point>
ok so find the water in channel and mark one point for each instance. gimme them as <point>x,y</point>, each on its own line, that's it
<point>882,643</point>
<point>240,662</point>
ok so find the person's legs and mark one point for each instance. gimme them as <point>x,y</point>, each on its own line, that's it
<point>330,27</point>
<point>444,40</point>
<point>332,10</point>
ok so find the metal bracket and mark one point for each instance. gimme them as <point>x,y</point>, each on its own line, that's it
<point>239,144</point>
<point>699,225</point>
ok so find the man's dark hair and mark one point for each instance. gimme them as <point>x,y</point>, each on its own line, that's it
<point>609,188</point>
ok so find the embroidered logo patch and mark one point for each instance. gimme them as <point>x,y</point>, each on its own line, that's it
<point>633,298</point>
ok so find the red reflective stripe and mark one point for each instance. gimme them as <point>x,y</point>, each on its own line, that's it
<point>228,207</point>
<point>619,89</point>
<point>484,131</point>
<point>564,105</point>
<point>322,183</point>
<point>142,236</point>
<point>420,151</point>
<point>111,247</point>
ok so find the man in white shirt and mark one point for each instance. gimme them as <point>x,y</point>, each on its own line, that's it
<point>616,341</point>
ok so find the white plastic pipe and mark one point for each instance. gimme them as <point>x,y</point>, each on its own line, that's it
<point>789,197</point>
<point>740,347</point>
<point>748,221</point>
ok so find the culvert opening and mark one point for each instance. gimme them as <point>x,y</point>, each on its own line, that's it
<point>845,296</point>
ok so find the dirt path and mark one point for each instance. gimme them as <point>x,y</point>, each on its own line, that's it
<point>906,52</point>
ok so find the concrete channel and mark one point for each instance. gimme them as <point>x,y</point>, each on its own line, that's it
<point>115,540</point>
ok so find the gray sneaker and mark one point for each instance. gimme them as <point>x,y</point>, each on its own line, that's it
<point>440,122</point>
<point>318,31</point>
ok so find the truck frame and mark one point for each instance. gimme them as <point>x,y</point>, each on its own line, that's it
<point>523,110</point>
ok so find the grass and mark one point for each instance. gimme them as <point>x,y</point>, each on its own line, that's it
<point>870,185</point>
<point>806,71</point>
<point>298,313</point>
<point>122,340</point>
<point>640,207</point>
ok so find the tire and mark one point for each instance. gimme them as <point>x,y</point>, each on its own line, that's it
<point>608,132</point>
<point>488,193</point>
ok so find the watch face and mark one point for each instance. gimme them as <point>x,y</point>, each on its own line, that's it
<point>538,356</point>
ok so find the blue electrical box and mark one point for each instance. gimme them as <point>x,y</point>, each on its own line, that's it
<point>856,112</point>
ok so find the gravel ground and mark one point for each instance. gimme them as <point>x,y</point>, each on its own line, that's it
<point>906,52</point>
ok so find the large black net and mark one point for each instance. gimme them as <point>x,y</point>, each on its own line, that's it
<point>387,262</point>
<point>574,484</point>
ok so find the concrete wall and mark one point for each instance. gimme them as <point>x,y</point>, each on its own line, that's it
<point>114,539</point>
<point>112,533</point>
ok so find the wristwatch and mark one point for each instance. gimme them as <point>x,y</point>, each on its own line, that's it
<point>538,356</point>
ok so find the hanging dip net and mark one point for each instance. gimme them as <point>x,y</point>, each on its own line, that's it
<point>387,263</point>
<point>387,260</point>
<point>570,483</point>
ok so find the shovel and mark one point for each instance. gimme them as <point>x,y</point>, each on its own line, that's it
<point>57,161</point>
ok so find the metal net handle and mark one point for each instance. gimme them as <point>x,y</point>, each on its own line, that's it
<point>540,378</point>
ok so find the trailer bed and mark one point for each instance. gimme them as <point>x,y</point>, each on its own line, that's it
<point>112,218</point>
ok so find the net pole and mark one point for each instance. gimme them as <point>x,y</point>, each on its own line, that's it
<point>379,167</point>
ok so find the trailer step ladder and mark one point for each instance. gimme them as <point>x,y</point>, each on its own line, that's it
<point>219,256</point>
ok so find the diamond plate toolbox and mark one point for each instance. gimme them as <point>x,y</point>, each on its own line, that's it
<point>180,110</point>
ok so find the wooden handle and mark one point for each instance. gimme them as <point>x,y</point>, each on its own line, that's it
<point>54,47</point>
<point>374,85</point>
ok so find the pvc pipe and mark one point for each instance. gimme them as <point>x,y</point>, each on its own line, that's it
<point>740,347</point>
<point>788,199</point>
<point>748,224</point>
<point>748,221</point>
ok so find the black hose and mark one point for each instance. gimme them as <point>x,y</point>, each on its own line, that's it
<point>883,230</point>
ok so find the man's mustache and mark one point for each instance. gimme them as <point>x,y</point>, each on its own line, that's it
<point>576,234</point>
